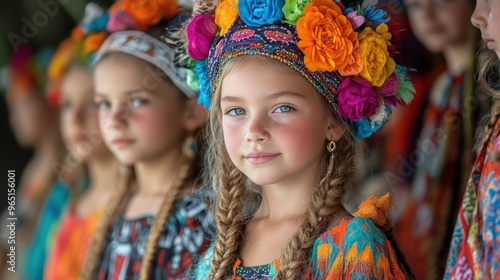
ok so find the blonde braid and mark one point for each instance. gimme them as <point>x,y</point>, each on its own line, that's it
<point>160,220</point>
<point>229,214</point>
<point>101,234</point>
<point>325,202</point>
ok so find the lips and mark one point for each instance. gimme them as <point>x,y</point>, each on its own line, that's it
<point>490,43</point>
<point>260,157</point>
<point>122,142</point>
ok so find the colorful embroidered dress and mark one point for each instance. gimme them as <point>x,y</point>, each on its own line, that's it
<point>185,239</point>
<point>356,248</point>
<point>71,245</point>
<point>47,226</point>
<point>436,168</point>
<point>475,247</point>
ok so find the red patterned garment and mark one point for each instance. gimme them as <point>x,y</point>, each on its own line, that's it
<point>475,247</point>
<point>185,239</point>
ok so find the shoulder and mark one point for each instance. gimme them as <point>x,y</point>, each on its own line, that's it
<point>356,247</point>
<point>204,265</point>
<point>193,211</point>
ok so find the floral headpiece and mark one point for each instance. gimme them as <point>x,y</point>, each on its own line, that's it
<point>128,21</point>
<point>85,39</point>
<point>346,51</point>
<point>26,71</point>
<point>145,47</point>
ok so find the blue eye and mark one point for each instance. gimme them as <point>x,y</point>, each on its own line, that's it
<point>137,102</point>
<point>284,109</point>
<point>103,105</point>
<point>236,112</point>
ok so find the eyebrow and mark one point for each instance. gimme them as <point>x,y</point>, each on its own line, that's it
<point>271,97</point>
<point>126,93</point>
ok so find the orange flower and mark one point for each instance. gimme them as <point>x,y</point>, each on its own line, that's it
<point>327,39</point>
<point>226,14</point>
<point>149,12</point>
<point>77,34</point>
<point>93,42</point>
<point>378,64</point>
<point>376,209</point>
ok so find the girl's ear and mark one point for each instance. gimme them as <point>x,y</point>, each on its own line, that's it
<point>334,131</point>
<point>195,115</point>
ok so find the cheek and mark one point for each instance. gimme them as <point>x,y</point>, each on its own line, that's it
<point>233,138</point>
<point>302,138</point>
<point>156,126</point>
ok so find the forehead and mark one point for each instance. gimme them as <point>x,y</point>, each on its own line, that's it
<point>256,75</point>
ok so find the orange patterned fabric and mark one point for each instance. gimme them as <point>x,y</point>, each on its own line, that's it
<point>70,246</point>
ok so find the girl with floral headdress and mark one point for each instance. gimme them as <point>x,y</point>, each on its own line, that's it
<point>474,251</point>
<point>295,84</point>
<point>435,138</point>
<point>155,226</point>
<point>33,118</point>
<point>89,162</point>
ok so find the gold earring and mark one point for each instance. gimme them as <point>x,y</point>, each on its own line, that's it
<point>331,146</point>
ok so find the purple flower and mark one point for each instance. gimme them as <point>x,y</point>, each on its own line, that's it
<point>357,99</point>
<point>256,13</point>
<point>390,86</point>
<point>200,33</point>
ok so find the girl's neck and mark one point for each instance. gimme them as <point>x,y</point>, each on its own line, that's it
<point>156,175</point>
<point>48,150</point>
<point>282,201</point>
<point>460,57</point>
<point>102,172</point>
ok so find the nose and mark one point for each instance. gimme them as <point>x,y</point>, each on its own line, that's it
<point>117,116</point>
<point>477,18</point>
<point>257,130</point>
<point>77,116</point>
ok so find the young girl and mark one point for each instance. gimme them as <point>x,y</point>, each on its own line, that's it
<point>291,92</point>
<point>80,131</point>
<point>474,252</point>
<point>33,117</point>
<point>439,136</point>
<point>155,227</point>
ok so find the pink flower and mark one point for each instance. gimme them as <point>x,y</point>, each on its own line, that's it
<point>390,86</point>
<point>120,21</point>
<point>201,32</point>
<point>355,20</point>
<point>357,99</point>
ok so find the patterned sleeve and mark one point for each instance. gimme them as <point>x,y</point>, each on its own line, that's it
<point>355,249</point>
<point>203,267</point>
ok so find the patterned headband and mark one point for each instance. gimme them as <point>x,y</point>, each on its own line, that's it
<point>345,51</point>
<point>145,47</point>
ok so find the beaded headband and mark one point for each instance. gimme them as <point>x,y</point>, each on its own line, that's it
<point>145,47</point>
<point>345,51</point>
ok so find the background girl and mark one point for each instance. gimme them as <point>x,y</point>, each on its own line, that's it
<point>80,131</point>
<point>154,227</point>
<point>474,252</point>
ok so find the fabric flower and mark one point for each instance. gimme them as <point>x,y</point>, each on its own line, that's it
<point>205,96</point>
<point>356,21</point>
<point>377,63</point>
<point>382,115</point>
<point>256,13</point>
<point>226,14</point>
<point>201,32</point>
<point>376,209</point>
<point>364,128</point>
<point>390,86</point>
<point>294,9</point>
<point>327,39</point>
<point>357,99</point>
<point>118,19</point>
<point>149,12</point>
<point>93,42</point>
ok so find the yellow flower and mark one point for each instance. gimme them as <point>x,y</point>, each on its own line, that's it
<point>327,39</point>
<point>377,63</point>
<point>226,14</point>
